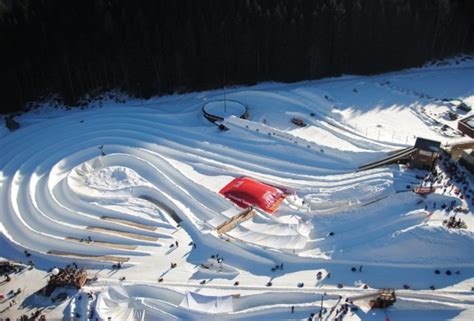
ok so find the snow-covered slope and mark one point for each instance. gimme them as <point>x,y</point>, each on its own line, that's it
<point>111,183</point>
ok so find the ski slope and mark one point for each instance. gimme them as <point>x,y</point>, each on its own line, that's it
<point>139,183</point>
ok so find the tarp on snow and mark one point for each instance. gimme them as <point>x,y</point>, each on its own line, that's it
<point>116,304</point>
<point>209,304</point>
<point>246,192</point>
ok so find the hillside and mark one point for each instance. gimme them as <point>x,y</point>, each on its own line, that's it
<point>138,182</point>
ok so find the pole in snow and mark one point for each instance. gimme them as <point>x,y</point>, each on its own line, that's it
<point>225,102</point>
<point>321,311</point>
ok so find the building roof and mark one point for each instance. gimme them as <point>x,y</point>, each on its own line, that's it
<point>427,144</point>
<point>469,151</point>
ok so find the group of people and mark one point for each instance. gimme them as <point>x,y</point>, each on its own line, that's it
<point>11,295</point>
<point>12,303</point>
<point>354,269</point>
<point>454,180</point>
<point>339,315</point>
<point>34,316</point>
<point>454,174</point>
<point>452,222</point>
<point>277,267</point>
<point>341,312</point>
<point>87,240</point>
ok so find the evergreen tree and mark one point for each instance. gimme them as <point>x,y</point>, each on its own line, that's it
<point>156,47</point>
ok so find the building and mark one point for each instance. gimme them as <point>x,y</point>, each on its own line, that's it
<point>466,126</point>
<point>426,153</point>
<point>456,149</point>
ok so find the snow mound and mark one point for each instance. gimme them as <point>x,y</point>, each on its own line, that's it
<point>113,178</point>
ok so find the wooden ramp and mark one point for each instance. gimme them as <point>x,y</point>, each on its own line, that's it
<point>123,233</point>
<point>104,258</point>
<point>233,221</point>
<point>381,299</point>
<point>103,244</point>
<point>128,223</point>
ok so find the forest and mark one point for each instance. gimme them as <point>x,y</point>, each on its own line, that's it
<point>78,48</point>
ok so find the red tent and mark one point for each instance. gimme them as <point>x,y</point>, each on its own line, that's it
<point>246,192</point>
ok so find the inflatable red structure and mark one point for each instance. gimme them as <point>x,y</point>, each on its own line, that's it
<point>246,192</point>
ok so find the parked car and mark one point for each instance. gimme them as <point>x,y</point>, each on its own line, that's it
<point>464,107</point>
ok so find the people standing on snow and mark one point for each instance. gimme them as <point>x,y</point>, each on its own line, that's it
<point>101,148</point>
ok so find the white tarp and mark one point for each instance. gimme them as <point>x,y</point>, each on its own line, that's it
<point>116,304</point>
<point>208,304</point>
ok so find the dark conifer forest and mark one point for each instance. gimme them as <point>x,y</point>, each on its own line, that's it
<point>144,48</point>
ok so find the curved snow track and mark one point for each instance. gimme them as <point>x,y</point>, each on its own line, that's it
<point>124,184</point>
<point>50,206</point>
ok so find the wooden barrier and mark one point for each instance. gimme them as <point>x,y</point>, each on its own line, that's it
<point>131,235</point>
<point>233,221</point>
<point>129,223</point>
<point>101,243</point>
<point>103,258</point>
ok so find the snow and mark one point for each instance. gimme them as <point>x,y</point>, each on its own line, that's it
<point>125,175</point>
